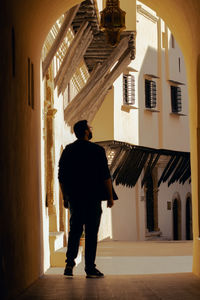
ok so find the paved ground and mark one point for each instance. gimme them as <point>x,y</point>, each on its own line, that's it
<point>135,287</point>
<point>145,248</point>
<point>132,258</point>
<point>131,280</point>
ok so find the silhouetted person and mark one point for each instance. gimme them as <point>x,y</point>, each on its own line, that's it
<point>85,179</point>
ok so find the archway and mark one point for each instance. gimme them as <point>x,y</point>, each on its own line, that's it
<point>186,42</point>
<point>150,208</point>
<point>188,219</point>
<point>150,204</point>
<point>151,214</point>
<point>176,211</point>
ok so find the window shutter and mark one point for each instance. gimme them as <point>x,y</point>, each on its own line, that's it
<point>129,89</point>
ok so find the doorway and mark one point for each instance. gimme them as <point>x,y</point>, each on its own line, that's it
<point>176,219</point>
<point>188,215</point>
<point>150,203</point>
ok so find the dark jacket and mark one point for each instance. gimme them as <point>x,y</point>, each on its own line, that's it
<point>83,167</point>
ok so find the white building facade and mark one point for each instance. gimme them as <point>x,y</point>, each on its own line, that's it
<point>155,115</point>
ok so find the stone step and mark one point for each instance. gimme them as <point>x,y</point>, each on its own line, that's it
<point>153,233</point>
<point>154,236</point>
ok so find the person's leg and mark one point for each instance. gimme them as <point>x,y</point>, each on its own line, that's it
<point>92,222</point>
<point>76,229</point>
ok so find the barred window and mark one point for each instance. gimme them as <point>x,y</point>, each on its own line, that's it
<point>129,89</point>
<point>176,99</point>
<point>150,93</point>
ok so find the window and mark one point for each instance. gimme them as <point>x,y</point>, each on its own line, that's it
<point>176,99</point>
<point>129,89</point>
<point>30,84</point>
<point>13,52</point>
<point>150,93</point>
<point>179,64</point>
<point>173,41</point>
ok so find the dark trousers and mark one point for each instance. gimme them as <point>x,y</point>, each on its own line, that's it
<point>89,216</point>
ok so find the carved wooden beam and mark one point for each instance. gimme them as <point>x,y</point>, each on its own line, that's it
<point>69,16</point>
<point>76,58</point>
<point>76,106</point>
<point>69,54</point>
<point>97,101</point>
<point>94,101</point>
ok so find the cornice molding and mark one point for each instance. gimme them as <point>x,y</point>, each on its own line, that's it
<point>147,14</point>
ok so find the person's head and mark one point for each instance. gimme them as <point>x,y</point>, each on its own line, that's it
<point>82,130</point>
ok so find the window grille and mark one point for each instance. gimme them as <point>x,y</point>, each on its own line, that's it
<point>129,89</point>
<point>176,99</point>
<point>150,93</point>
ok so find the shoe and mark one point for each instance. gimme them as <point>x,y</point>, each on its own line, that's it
<point>68,271</point>
<point>94,273</point>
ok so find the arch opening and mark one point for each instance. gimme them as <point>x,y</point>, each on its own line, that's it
<point>150,205</point>
<point>176,219</point>
<point>72,88</point>
<point>189,231</point>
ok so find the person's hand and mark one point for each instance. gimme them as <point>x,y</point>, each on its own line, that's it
<point>110,203</point>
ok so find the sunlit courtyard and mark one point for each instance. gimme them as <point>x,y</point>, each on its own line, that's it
<point>132,258</point>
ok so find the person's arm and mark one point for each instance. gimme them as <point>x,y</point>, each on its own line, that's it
<point>65,198</point>
<point>108,185</point>
<point>107,178</point>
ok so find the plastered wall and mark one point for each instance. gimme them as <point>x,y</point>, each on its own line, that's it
<point>124,225</point>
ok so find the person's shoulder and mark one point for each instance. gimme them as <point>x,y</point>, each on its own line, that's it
<point>69,147</point>
<point>97,147</point>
